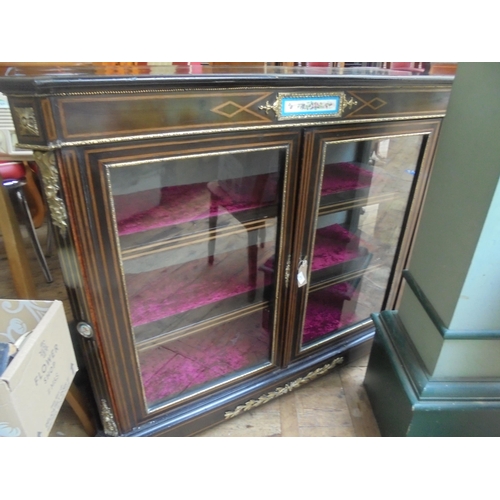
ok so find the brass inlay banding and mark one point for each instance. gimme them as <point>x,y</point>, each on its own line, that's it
<point>219,109</point>
<point>203,325</point>
<point>341,278</point>
<point>183,241</point>
<point>193,155</point>
<point>367,137</point>
<point>431,88</point>
<point>359,202</point>
<point>281,391</point>
<point>370,104</point>
<point>162,135</point>
<point>141,91</point>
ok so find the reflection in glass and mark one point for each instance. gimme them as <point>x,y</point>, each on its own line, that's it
<point>364,195</point>
<point>197,235</point>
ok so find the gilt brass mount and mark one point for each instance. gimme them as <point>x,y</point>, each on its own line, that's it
<point>47,163</point>
<point>108,419</point>
<point>280,391</point>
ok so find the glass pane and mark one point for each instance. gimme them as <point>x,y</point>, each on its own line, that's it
<point>364,195</point>
<point>187,363</point>
<point>198,236</point>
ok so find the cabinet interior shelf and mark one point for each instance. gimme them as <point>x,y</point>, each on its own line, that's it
<point>184,211</point>
<point>230,282</point>
<point>190,209</point>
<point>228,285</point>
<point>185,363</point>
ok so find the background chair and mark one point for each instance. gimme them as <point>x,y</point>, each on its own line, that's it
<point>18,181</point>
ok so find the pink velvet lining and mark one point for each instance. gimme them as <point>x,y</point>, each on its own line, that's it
<point>334,245</point>
<point>190,362</point>
<point>179,204</point>
<point>184,203</point>
<point>172,290</point>
<point>324,312</point>
<point>338,177</point>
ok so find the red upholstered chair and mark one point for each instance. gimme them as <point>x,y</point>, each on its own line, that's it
<point>14,179</point>
<point>319,64</point>
<point>416,68</point>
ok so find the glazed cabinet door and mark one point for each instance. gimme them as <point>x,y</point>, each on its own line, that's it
<point>362,205</point>
<point>184,243</point>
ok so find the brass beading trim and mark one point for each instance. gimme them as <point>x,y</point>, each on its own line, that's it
<point>164,135</point>
<point>334,86</point>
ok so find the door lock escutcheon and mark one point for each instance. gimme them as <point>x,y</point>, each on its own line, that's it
<point>302,273</point>
<point>85,330</point>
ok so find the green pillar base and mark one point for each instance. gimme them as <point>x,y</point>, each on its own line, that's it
<point>406,401</point>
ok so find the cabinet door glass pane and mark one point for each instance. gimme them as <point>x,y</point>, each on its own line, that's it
<point>197,236</point>
<point>363,199</point>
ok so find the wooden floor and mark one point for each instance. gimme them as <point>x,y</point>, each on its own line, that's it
<point>333,405</point>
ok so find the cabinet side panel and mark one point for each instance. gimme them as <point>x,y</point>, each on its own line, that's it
<point>98,309</point>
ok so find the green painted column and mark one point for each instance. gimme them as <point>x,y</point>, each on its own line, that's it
<point>440,352</point>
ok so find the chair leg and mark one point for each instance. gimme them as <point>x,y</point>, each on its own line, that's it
<point>15,248</point>
<point>77,402</point>
<point>32,234</point>
<point>50,236</point>
<point>212,228</point>
<point>50,227</point>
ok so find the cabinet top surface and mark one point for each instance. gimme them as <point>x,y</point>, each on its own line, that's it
<point>46,78</point>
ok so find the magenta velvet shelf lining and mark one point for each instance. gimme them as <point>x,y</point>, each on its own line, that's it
<point>344,176</point>
<point>162,293</point>
<point>334,245</point>
<point>190,202</point>
<point>324,312</point>
<point>190,362</point>
<point>177,205</point>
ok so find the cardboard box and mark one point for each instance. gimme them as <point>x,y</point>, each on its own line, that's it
<point>34,385</point>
